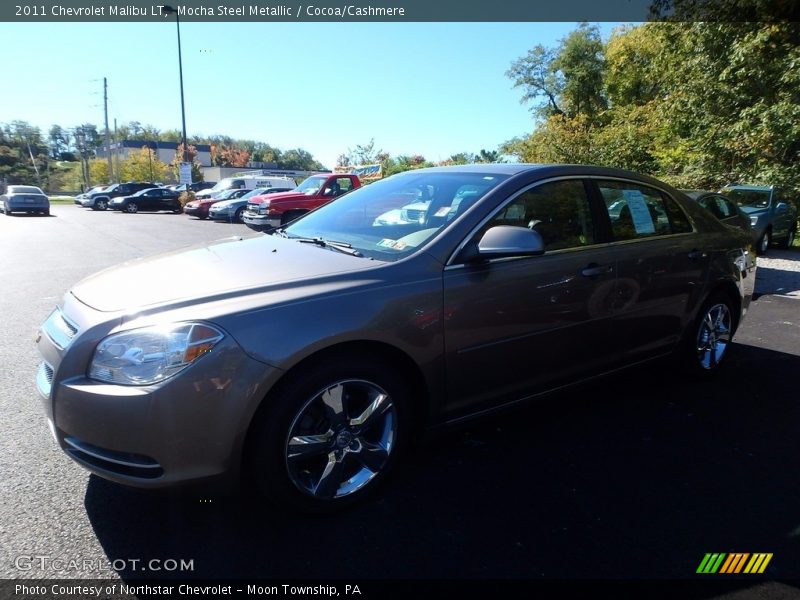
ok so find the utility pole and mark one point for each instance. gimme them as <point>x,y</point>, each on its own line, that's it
<point>168,10</point>
<point>108,135</point>
<point>116,152</point>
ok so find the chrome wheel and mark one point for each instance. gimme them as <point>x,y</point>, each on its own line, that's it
<point>763,244</point>
<point>341,439</point>
<point>714,336</point>
<point>131,207</point>
<point>101,205</point>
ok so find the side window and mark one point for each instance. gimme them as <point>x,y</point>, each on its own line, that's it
<point>730,207</point>
<point>345,184</point>
<point>558,211</point>
<point>639,211</point>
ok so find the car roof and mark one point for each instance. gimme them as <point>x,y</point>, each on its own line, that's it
<point>695,194</point>
<point>544,170</point>
<point>756,188</point>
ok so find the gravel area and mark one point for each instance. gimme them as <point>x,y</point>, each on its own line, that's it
<point>779,273</point>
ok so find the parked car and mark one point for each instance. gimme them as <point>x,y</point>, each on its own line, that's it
<point>231,210</point>
<point>268,212</point>
<point>307,360</point>
<point>92,190</point>
<point>100,200</point>
<point>152,199</point>
<point>724,209</point>
<point>200,208</point>
<point>25,198</point>
<point>247,182</point>
<point>772,216</point>
<point>197,186</point>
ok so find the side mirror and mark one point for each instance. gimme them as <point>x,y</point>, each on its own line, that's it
<point>781,208</point>
<point>504,241</point>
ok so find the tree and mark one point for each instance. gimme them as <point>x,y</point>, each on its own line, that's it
<point>197,174</point>
<point>366,154</point>
<point>537,75</point>
<point>59,141</point>
<point>582,64</point>
<point>143,165</point>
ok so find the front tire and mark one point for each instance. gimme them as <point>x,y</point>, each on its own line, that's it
<point>237,218</point>
<point>101,204</point>
<point>131,208</point>
<point>330,434</point>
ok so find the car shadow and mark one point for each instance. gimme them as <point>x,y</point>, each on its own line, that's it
<point>635,476</point>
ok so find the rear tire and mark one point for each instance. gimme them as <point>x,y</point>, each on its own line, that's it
<point>707,342</point>
<point>790,237</point>
<point>329,434</point>
<point>764,242</point>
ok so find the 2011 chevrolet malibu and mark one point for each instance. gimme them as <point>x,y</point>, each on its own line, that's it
<point>306,360</point>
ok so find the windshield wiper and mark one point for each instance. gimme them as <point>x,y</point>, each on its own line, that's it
<point>343,247</point>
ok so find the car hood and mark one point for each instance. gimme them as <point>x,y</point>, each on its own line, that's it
<point>278,196</point>
<point>753,210</point>
<point>205,273</point>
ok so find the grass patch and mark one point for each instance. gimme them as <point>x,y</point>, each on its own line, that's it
<point>62,199</point>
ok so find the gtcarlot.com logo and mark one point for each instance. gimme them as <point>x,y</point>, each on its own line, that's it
<point>721,563</point>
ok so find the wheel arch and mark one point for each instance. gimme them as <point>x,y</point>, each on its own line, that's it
<point>350,351</point>
<point>729,289</point>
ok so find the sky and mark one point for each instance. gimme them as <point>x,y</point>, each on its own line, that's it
<point>434,89</point>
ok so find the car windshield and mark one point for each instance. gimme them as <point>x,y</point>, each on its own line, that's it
<point>390,219</point>
<point>311,185</point>
<point>749,198</point>
<point>254,192</point>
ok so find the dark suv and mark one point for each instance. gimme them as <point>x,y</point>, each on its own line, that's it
<point>772,216</point>
<point>99,200</point>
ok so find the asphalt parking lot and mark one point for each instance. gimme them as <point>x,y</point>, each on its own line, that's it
<point>635,477</point>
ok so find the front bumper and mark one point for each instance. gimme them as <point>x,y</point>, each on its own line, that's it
<point>189,428</point>
<point>261,222</point>
<point>195,211</point>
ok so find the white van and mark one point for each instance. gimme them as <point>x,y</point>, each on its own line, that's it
<point>249,182</point>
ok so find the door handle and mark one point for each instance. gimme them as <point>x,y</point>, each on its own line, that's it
<point>695,254</point>
<point>594,270</point>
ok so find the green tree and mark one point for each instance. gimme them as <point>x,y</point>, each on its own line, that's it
<point>143,165</point>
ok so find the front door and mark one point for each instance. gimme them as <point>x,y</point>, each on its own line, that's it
<point>520,325</point>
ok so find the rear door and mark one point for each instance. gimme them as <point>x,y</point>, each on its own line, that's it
<point>517,325</point>
<point>662,266</point>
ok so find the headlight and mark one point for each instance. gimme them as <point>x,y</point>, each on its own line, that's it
<point>151,354</point>
<point>753,221</point>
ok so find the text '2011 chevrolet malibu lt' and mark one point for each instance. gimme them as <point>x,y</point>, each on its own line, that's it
<point>307,359</point>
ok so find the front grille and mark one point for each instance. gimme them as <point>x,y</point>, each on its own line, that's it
<point>59,329</point>
<point>123,463</point>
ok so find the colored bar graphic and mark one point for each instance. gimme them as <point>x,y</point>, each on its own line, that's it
<point>734,563</point>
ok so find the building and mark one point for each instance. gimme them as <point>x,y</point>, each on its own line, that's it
<point>164,151</point>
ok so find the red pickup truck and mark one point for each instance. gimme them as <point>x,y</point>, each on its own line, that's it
<point>269,211</point>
